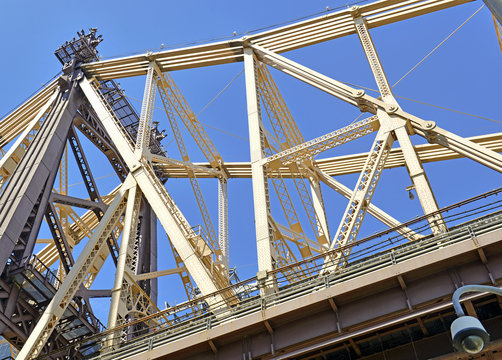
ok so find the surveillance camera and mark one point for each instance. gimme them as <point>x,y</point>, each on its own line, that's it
<point>468,334</point>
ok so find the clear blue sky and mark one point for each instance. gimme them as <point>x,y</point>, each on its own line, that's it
<point>462,75</point>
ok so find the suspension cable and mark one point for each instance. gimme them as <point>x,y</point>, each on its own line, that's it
<point>441,43</point>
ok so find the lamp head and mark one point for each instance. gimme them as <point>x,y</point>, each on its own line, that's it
<point>468,334</point>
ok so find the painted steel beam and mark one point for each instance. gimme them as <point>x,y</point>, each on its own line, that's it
<point>74,201</point>
<point>415,169</point>
<point>17,120</point>
<point>316,146</point>
<point>372,208</point>
<point>346,164</point>
<point>23,203</point>
<point>290,37</point>
<point>261,199</point>
<point>176,226</point>
<point>13,156</point>
<point>363,304</point>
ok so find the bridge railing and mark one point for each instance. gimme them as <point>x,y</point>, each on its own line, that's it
<point>472,217</point>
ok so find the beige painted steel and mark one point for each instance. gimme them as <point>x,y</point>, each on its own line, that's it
<point>366,103</point>
<point>13,156</point>
<point>223,221</point>
<point>412,162</point>
<point>176,226</point>
<point>309,32</point>
<point>156,274</point>
<point>342,165</point>
<point>174,102</point>
<point>17,120</point>
<point>266,44</point>
<point>372,208</point>
<point>363,192</point>
<point>145,120</point>
<point>128,237</point>
<point>261,199</point>
<point>311,148</point>
<point>320,210</point>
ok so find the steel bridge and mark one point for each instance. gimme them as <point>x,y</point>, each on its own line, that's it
<point>316,295</point>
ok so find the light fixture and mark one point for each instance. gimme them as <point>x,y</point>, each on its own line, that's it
<point>467,332</point>
<point>410,193</point>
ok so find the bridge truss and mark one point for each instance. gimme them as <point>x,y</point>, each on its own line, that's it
<point>45,305</point>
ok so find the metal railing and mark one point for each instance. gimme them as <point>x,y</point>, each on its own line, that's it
<point>472,217</point>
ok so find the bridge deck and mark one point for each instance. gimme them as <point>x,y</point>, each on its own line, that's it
<point>407,285</point>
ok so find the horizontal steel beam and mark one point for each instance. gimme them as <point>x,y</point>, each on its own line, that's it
<point>156,274</point>
<point>286,38</point>
<point>342,165</point>
<point>81,203</point>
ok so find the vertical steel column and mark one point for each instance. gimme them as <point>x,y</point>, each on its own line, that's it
<point>153,252</point>
<point>264,236</point>
<point>145,121</point>
<point>128,237</point>
<point>125,254</point>
<point>413,163</point>
<point>223,221</point>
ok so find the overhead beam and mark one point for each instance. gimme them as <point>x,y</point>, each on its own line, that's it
<point>156,274</point>
<point>341,165</point>
<point>74,201</point>
<point>290,37</point>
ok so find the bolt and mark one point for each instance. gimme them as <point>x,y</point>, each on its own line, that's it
<point>391,109</point>
<point>355,11</point>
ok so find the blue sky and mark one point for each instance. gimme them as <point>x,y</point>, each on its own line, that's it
<point>462,75</point>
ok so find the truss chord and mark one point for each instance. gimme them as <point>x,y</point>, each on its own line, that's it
<point>290,37</point>
<point>421,102</point>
